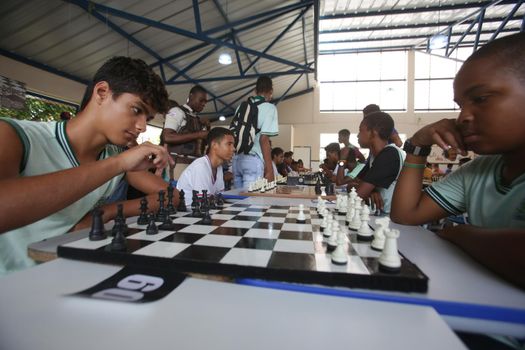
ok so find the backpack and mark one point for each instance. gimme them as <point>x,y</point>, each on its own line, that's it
<point>244,125</point>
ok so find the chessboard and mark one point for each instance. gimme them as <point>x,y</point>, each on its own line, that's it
<point>284,191</point>
<point>251,241</point>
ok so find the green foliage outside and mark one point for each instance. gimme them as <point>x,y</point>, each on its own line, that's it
<point>38,110</point>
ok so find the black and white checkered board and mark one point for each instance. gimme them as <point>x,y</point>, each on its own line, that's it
<point>254,241</point>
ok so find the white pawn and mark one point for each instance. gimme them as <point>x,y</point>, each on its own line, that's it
<point>339,254</point>
<point>263,189</point>
<point>355,224</point>
<point>328,229</point>
<point>364,232</point>
<point>332,240</point>
<point>389,258</point>
<point>350,209</point>
<point>379,235</point>
<point>301,218</point>
<point>324,223</point>
<point>344,205</point>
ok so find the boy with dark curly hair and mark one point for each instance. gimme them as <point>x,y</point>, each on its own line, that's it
<point>54,173</point>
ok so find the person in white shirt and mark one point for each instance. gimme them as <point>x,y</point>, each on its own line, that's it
<point>206,173</point>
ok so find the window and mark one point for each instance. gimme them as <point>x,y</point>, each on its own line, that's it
<point>349,82</point>
<point>39,107</point>
<point>434,78</point>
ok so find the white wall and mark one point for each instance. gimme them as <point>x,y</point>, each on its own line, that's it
<point>42,82</point>
<point>303,114</point>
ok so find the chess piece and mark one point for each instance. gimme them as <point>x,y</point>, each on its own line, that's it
<point>339,254</point>
<point>195,205</point>
<point>220,201</point>
<point>318,190</point>
<point>379,235</point>
<point>324,223</point>
<point>328,229</point>
<point>118,243</point>
<point>364,233</point>
<point>301,218</point>
<point>332,240</point>
<point>182,202</point>
<point>97,232</point>
<point>170,208</point>
<point>143,217</point>
<point>162,208</point>
<point>355,224</point>
<point>166,222</point>
<point>120,221</point>
<point>389,260</point>
<point>152,227</point>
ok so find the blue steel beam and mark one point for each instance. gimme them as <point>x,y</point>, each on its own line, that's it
<point>316,36</point>
<point>411,26</point>
<point>504,23</point>
<point>234,37</point>
<point>289,88</point>
<point>278,37</point>
<point>304,50</point>
<point>42,66</point>
<point>280,11</point>
<point>523,24</point>
<point>88,7</point>
<point>224,36</point>
<point>248,76</point>
<point>197,15</point>
<point>193,64</point>
<point>461,38</point>
<point>172,29</point>
<point>407,37</point>
<point>478,31</point>
<point>403,10</point>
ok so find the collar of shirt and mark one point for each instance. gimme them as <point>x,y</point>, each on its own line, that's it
<point>188,108</point>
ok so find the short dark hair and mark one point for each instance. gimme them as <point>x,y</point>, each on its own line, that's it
<point>381,122</point>
<point>130,75</point>
<point>333,147</point>
<point>198,88</point>
<point>344,132</point>
<point>509,51</point>
<point>217,134</point>
<point>276,151</point>
<point>371,108</point>
<point>288,154</point>
<point>264,84</point>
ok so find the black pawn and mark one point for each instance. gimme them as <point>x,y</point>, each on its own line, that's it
<point>206,220</point>
<point>97,226</point>
<point>162,208</point>
<point>152,227</point>
<point>182,202</point>
<point>143,217</point>
<point>195,205</point>
<point>220,201</point>
<point>120,221</point>
<point>170,208</point>
<point>212,202</point>
<point>318,190</point>
<point>118,244</point>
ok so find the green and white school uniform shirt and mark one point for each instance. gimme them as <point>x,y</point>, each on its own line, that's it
<point>476,188</point>
<point>47,149</point>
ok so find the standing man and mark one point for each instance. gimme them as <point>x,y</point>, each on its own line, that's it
<point>258,162</point>
<point>184,132</point>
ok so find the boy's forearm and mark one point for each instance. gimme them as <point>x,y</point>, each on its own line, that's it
<point>40,196</point>
<point>501,250</point>
<point>408,194</point>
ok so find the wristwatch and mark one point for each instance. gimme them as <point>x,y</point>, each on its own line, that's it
<point>420,151</point>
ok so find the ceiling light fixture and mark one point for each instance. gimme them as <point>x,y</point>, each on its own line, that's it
<point>225,58</point>
<point>222,118</point>
<point>438,41</point>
